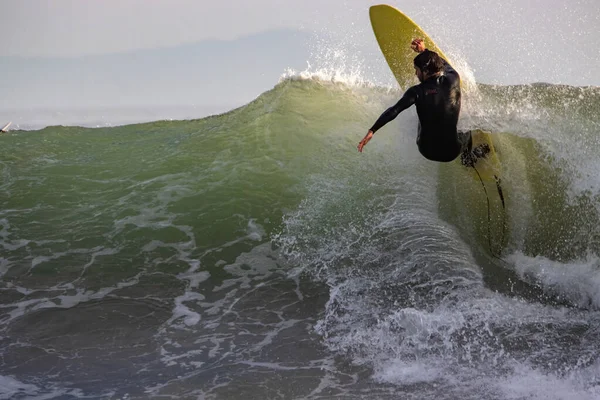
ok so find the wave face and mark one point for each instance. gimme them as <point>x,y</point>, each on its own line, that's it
<point>189,258</point>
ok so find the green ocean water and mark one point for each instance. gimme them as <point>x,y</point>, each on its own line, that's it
<point>189,258</point>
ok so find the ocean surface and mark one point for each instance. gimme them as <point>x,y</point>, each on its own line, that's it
<point>257,255</point>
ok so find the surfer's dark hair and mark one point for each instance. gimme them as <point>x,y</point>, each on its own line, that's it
<point>429,62</point>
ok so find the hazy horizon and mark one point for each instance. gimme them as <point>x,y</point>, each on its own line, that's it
<point>174,82</point>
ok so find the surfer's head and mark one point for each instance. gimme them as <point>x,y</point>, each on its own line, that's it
<point>427,64</point>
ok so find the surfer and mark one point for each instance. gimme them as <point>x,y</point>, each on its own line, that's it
<point>438,101</point>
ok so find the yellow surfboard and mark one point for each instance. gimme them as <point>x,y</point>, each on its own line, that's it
<point>394,32</point>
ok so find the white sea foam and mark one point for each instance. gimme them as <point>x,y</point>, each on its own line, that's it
<point>527,382</point>
<point>181,310</point>
<point>351,79</point>
<point>10,387</point>
<point>82,295</point>
<point>577,281</point>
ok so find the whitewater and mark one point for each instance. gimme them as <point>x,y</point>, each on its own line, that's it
<point>256,254</point>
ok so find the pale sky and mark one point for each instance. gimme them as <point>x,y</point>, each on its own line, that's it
<point>77,27</point>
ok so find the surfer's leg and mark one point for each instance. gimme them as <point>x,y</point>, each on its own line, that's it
<point>467,157</point>
<point>481,151</point>
<point>466,140</point>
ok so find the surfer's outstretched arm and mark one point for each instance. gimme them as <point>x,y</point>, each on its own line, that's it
<point>409,98</point>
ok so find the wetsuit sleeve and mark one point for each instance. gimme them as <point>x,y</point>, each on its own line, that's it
<point>448,69</point>
<point>409,98</point>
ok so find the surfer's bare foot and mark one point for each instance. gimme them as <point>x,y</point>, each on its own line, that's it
<point>482,150</point>
<point>469,158</point>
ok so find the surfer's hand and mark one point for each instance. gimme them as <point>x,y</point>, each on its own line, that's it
<point>365,140</point>
<point>418,45</point>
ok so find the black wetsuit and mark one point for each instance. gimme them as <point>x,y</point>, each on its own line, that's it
<point>438,107</point>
